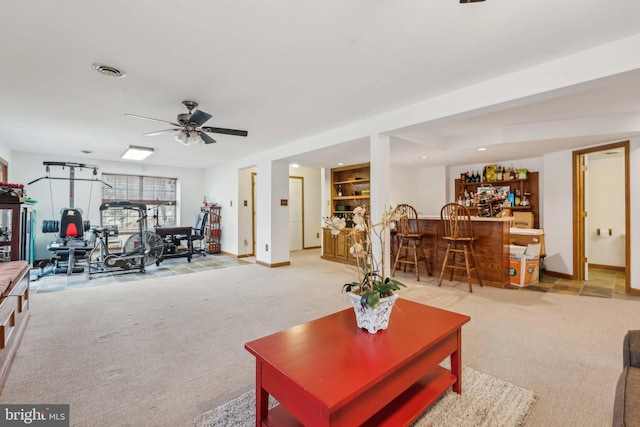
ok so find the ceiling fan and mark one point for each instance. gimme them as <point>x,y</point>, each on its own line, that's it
<point>189,126</point>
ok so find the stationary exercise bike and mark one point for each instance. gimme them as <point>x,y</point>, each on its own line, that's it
<point>140,249</point>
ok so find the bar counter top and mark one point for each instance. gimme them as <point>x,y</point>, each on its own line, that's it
<point>473,218</point>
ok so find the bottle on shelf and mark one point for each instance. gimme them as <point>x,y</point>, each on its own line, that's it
<point>500,175</point>
<point>339,190</point>
<point>518,200</point>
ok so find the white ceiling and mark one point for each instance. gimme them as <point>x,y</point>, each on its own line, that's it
<point>287,70</point>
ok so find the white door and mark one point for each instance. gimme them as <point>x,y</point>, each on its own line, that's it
<point>295,214</point>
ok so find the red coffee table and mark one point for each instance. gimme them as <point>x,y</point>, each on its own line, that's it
<point>330,372</point>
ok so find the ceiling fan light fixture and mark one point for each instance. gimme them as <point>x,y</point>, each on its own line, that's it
<point>194,138</point>
<point>181,137</point>
<point>137,153</point>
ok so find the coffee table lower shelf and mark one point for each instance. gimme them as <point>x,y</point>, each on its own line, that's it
<point>403,410</point>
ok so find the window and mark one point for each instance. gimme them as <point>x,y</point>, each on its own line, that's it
<point>159,194</point>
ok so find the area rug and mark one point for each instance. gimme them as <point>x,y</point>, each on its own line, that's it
<point>486,401</point>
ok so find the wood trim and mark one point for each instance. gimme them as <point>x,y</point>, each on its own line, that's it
<point>253,213</point>
<point>4,170</point>
<point>277,264</point>
<point>627,210</point>
<point>607,267</point>
<point>557,274</point>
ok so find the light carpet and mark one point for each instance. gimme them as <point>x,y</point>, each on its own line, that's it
<point>486,401</point>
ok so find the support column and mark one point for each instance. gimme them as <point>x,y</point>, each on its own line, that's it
<point>272,218</point>
<point>380,151</point>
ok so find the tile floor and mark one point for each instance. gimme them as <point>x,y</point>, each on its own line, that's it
<point>602,283</point>
<point>169,267</point>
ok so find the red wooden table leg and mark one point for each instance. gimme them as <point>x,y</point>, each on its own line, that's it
<point>262,397</point>
<point>456,363</point>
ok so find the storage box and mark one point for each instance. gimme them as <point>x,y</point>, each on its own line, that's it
<point>524,265</point>
<point>523,219</point>
<point>528,236</point>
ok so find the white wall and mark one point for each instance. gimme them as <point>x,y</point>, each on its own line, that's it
<point>26,167</point>
<point>221,186</point>
<point>605,204</point>
<point>5,153</point>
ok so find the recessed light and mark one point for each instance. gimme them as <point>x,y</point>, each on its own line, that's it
<point>340,164</point>
<point>482,149</point>
<point>294,165</point>
<point>109,70</point>
<point>424,157</point>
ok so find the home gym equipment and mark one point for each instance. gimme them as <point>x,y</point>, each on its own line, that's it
<point>140,249</point>
<point>71,245</point>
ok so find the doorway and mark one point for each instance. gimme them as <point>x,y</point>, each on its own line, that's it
<point>296,213</point>
<point>592,233</point>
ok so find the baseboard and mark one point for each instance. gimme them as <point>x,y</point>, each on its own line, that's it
<point>277,264</point>
<point>607,267</point>
<point>312,247</point>
<point>245,256</point>
<point>557,274</point>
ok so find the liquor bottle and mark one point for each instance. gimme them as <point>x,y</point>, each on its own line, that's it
<point>518,200</point>
<point>483,178</point>
<point>499,178</point>
<point>339,190</point>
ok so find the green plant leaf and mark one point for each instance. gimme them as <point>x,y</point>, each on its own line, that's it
<point>372,298</point>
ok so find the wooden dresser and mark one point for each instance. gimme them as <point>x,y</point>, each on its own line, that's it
<point>14,311</point>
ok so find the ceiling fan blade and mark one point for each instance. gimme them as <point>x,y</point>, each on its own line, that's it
<point>199,117</point>
<point>225,131</point>
<point>206,138</point>
<point>149,118</point>
<point>160,132</point>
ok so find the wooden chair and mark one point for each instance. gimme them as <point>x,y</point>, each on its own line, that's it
<point>458,232</point>
<point>407,233</point>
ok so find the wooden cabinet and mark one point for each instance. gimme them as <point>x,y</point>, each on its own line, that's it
<point>525,187</point>
<point>350,188</point>
<point>336,247</point>
<point>212,230</point>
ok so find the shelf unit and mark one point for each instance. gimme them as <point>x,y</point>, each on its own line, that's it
<point>16,237</point>
<point>528,187</point>
<point>212,229</point>
<point>353,180</point>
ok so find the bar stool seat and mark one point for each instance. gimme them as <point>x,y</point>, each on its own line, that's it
<point>458,232</point>
<point>408,234</point>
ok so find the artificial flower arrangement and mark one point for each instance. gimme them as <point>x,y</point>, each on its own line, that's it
<point>372,284</point>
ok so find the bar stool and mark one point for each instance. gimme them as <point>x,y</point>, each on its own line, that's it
<point>408,234</point>
<point>458,232</point>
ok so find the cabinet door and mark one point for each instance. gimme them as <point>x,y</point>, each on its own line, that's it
<point>328,244</point>
<point>342,246</point>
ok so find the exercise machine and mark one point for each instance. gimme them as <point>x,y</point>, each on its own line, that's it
<point>139,250</point>
<point>72,243</point>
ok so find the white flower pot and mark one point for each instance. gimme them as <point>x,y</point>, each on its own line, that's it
<point>373,319</point>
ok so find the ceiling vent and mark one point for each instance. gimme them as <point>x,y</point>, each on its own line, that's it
<point>109,70</point>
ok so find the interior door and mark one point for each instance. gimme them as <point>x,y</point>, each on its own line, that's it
<point>295,214</point>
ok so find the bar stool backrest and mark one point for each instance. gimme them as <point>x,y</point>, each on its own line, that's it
<point>456,222</point>
<point>408,224</point>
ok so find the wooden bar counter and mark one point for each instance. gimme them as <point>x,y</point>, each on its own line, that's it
<point>491,248</point>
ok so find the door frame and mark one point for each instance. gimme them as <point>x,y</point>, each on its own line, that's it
<point>579,209</point>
